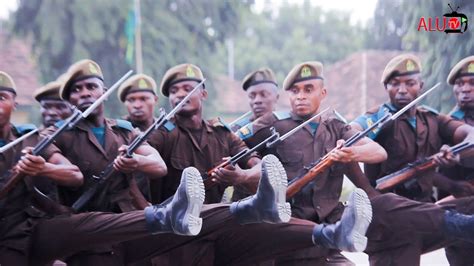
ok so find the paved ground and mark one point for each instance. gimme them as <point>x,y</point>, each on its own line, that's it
<point>435,258</point>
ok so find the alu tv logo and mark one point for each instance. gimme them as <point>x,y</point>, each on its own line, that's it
<point>453,22</point>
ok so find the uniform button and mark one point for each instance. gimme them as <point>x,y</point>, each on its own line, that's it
<point>318,207</point>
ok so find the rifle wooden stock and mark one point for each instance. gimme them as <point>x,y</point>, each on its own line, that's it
<point>208,183</point>
<point>298,183</point>
<point>13,180</point>
<point>389,182</point>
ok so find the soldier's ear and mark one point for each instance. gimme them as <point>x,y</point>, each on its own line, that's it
<point>421,84</point>
<point>204,93</point>
<point>156,98</point>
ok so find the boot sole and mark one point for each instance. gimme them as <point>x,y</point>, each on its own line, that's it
<point>195,194</point>
<point>279,182</point>
<point>362,211</point>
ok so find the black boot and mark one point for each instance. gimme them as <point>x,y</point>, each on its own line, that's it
<point>348,234</point>
<point>458,225</point>
<point>269,203</point>
<point>180,214</point>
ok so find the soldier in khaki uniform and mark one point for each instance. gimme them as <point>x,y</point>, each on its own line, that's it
<point>318,202</point>
<point>262,92</point>
<point>178,143</point>
<point>461,78</point>
<point>31,235</point>
<point>138,93</point>
<point>53,108</point>
<point>418,133</point>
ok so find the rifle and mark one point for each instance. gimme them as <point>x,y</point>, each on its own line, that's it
<point>109,171</point>
<point>18,140</point>
<point>416,168</point>
<point>239,118</point>
<point>77,115</point>
<point>269,142</point>
<point>318,167</point>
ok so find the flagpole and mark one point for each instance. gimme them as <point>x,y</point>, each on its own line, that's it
<point>138,38</point>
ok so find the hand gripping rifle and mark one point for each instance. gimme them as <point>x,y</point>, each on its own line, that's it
<point>105,175</point>
<point>316,168</point>
<point>416,168</point>
<point>69,123</point>
<point>269,142</point>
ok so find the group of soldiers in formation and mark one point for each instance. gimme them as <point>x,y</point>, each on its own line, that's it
<point>148,190</point>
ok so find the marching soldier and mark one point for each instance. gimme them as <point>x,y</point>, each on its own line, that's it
<point>30,235</point>
<point>179,145</point>
<point>320,201</point>
<point>461,78</point>
<point>53,108</point>
<point>262,93</point>
<point>419,133</point>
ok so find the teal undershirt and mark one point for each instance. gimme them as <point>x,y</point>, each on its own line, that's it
<point>2,142</point>
<point>314,127</point>
<point>99,133</point>
<point>412,121</point>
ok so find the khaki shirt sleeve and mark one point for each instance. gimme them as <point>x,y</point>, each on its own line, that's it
<point>51,148</point>
<point>344,131</point>
<point>447,126</point>
<point>157,140</point>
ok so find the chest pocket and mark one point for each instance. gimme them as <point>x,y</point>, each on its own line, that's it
<point>179,163</point>
<point>292,160</point>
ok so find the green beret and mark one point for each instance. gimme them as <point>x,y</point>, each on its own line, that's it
<point>304,71</point>
<point>7,83</point>
<point>463,68</point>
<point>183,72</point>
<point>262,75</point>
<point>405,64</point>
<point>138,82</point>
<point>81,70</point>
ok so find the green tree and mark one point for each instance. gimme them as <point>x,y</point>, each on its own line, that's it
<point>172,32</point>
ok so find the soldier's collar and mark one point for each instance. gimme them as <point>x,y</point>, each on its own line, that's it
<point>390,107</point>
<point>457,113</point>
<point>12,133</point>
<point>207,124</point>
<point>298,118</point>
<point>108,123</point>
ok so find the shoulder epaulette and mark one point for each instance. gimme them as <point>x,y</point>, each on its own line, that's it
<point>24,128</point>
<point>280,115</point>
<point>245,132</point>
<point>220,123</point>
<point>169,126</point>
<point>124,124</point>
<point>457,114</point>
<point>429,109</point>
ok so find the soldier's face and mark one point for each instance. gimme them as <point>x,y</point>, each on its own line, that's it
<point>54,110</point>
<point>464,92</point>
<point>140,105</point>
<point>404,89</point>
<point>262,98</point>
<point>85,92</point>
<point>178,91</point>
<point>7,105</point>
<point>306,97</point>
